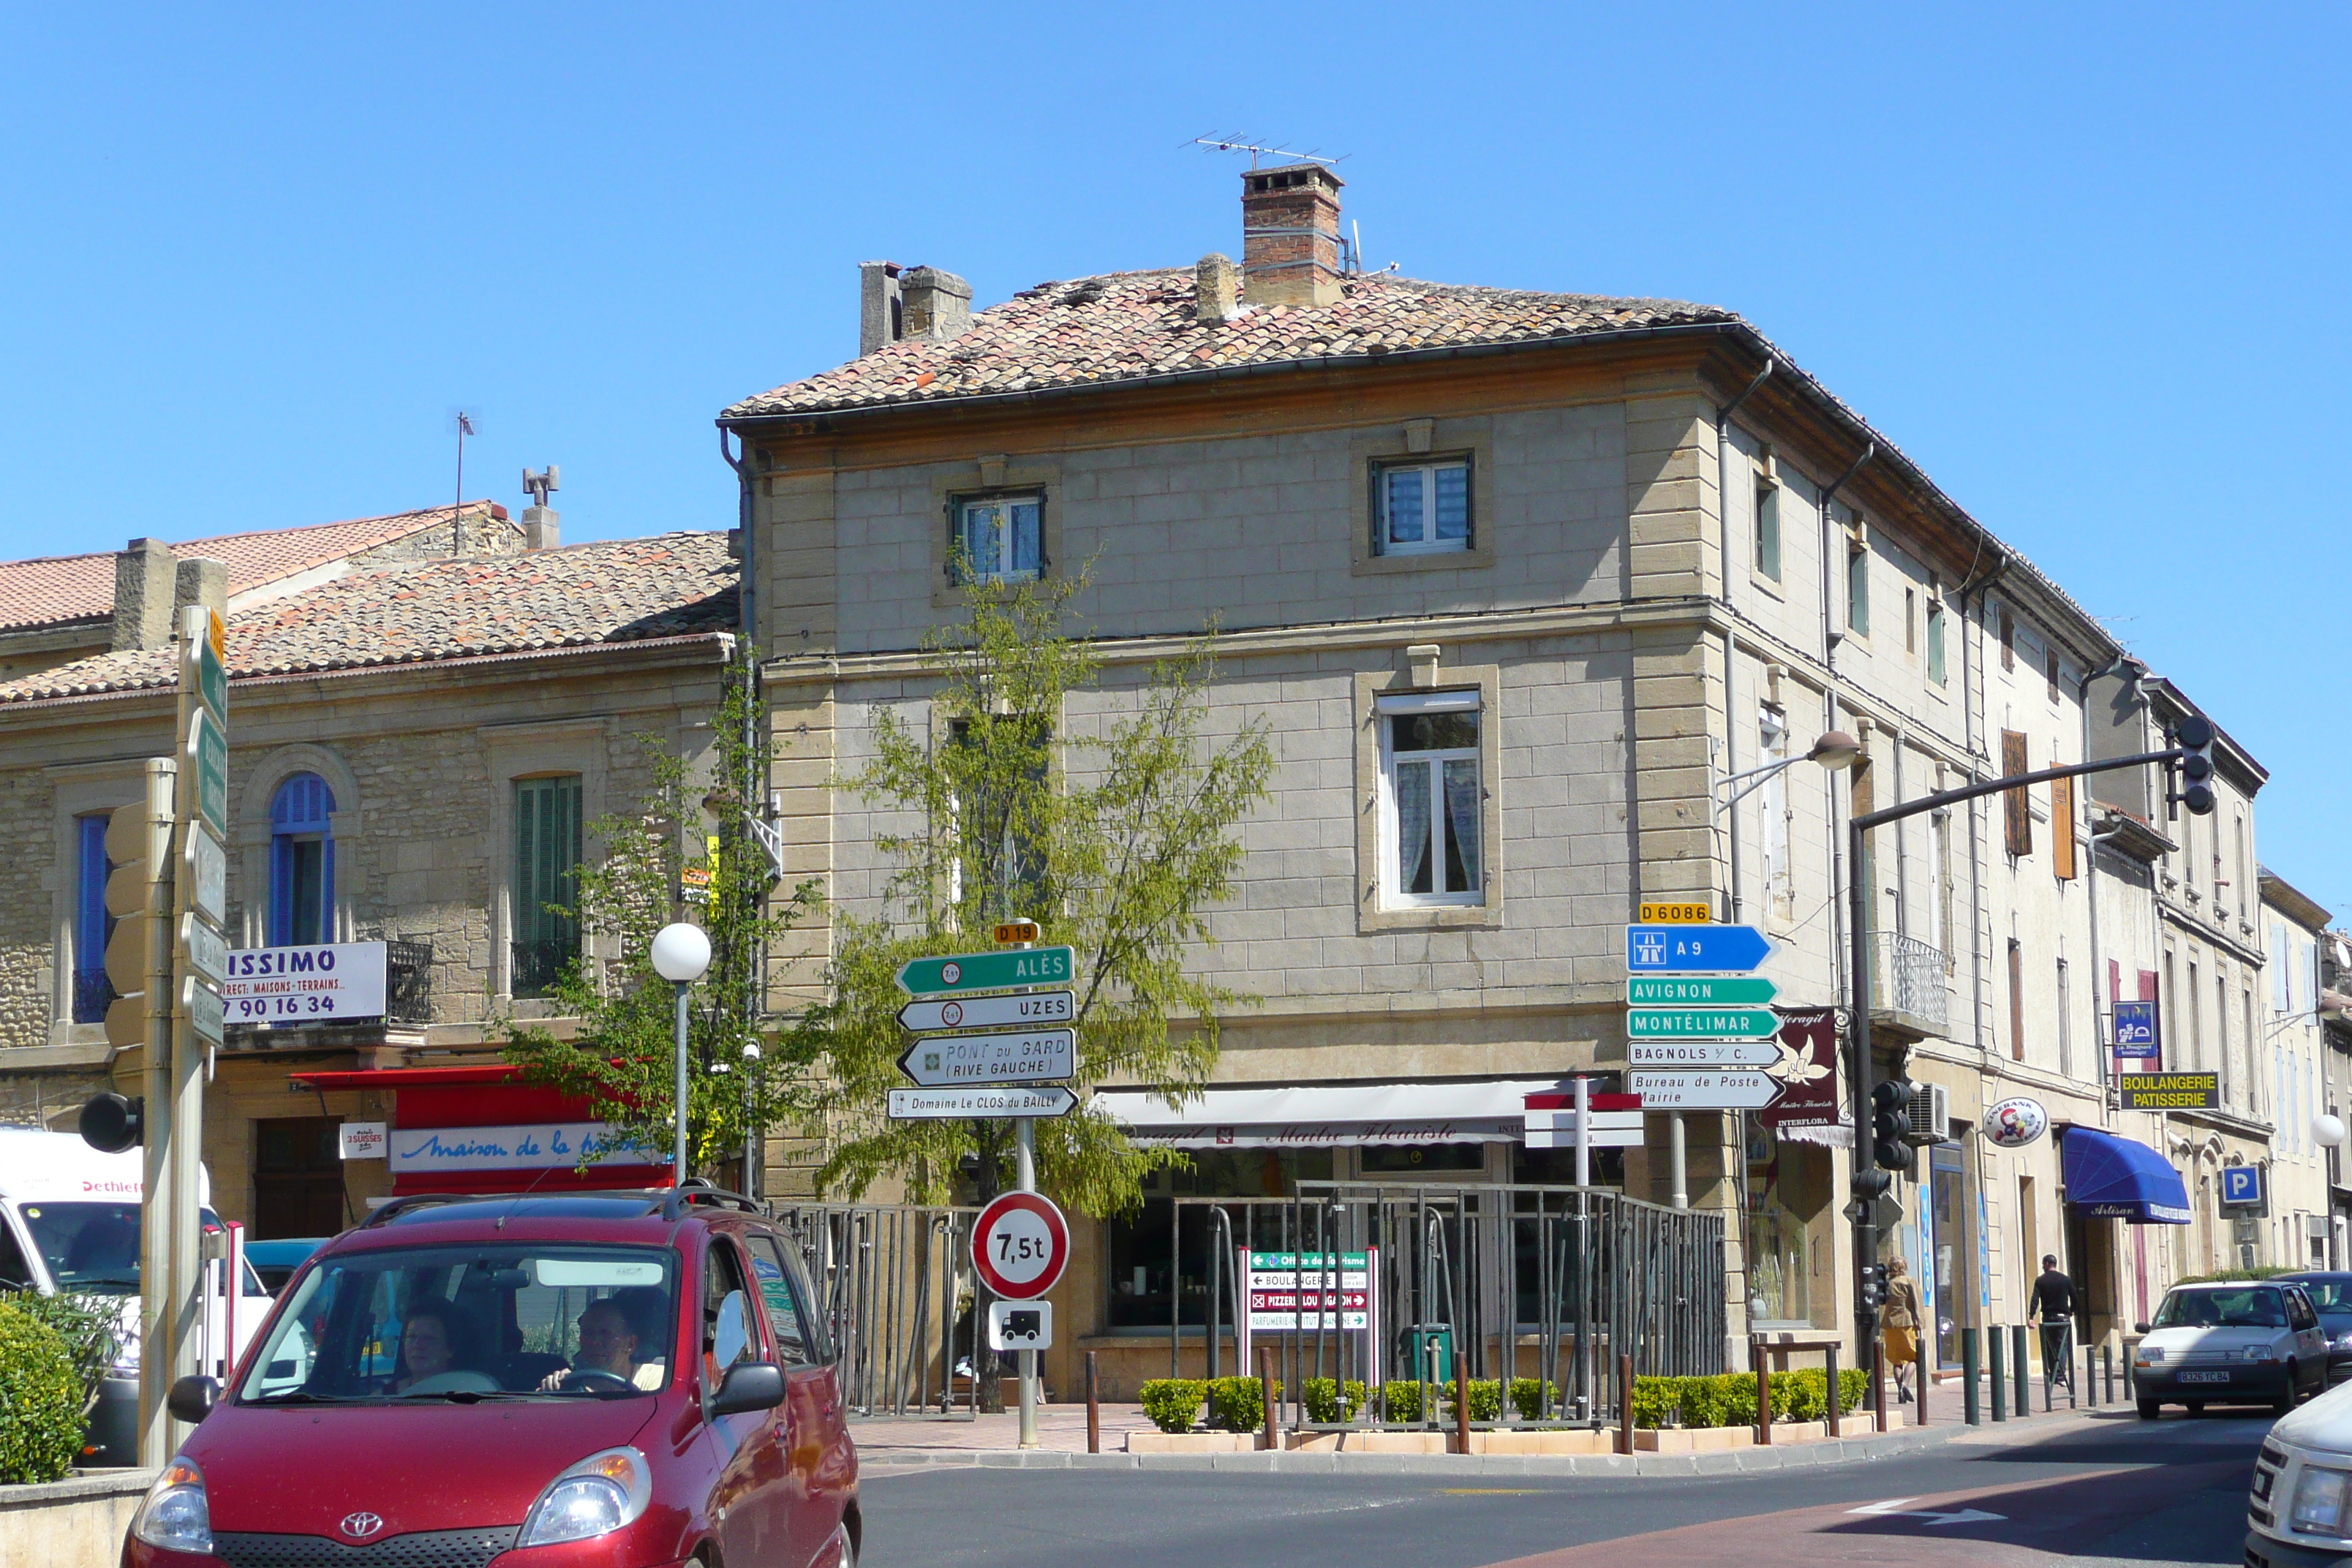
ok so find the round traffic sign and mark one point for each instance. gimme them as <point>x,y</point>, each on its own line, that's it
<point>1021,1244</point>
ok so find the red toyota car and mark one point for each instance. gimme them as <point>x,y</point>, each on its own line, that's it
<point>621,1380</point>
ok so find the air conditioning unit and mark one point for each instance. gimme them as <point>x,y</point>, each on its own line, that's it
<point>1930,1110</point>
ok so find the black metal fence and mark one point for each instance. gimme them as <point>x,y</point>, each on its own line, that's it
<point>407,981</point>
<point>895,1282</point>
<point>1383,1283</point>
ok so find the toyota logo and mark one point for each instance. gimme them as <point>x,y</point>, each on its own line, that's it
<point>359,1526</point>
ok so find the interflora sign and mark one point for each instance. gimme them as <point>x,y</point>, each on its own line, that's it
<point>2171,1090</point>
<point>315,985</point>
<point>1808,1109</point>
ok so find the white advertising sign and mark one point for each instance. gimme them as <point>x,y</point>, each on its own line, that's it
<point>317,985</point>
<point>365,1140</point>
<point>1730,1091</point>
<point>1291,1291</point>
<point>547,1145</point>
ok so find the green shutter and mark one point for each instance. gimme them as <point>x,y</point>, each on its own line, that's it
<point>547,860</point>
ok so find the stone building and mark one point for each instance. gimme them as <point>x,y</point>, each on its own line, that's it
<point>422,723</point>
<point>1626,549</point>
<point>2290,1060</point>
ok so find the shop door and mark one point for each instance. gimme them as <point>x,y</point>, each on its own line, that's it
<point>1945,1189</point>
<point>298,1178</point>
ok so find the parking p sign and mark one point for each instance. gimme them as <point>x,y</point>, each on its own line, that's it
<point>2242,1187</point>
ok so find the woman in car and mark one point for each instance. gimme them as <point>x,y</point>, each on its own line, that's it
<point>428,1345</point>
<point>608,1345</point>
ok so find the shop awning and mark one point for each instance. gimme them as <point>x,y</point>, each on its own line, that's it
<point>484,1128</point>
<point>1325,1116</point>
<point>2109,1177</point>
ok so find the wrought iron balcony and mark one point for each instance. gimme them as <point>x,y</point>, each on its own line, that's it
<point>1909,990</point>
<point>537,963</point>
<point>407,981</point>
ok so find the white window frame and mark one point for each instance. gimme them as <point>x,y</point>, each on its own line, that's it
<point>967,505</point>
<point>1405,704</point>
<point>1428,543</point>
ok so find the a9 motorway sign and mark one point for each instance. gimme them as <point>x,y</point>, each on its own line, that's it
<point>1020,1245</point>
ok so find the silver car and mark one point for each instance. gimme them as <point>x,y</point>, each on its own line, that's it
<point>2235,1342</point>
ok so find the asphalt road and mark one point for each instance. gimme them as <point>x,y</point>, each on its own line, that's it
<point>2111,1491</point>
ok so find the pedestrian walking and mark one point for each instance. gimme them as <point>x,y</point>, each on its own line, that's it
<point>2051,1307</point>
<point>1898,1325</point>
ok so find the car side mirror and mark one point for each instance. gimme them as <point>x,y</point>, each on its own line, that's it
<point>192,1399</point>
<point>2139,1328</point>
<point>748,1385</point>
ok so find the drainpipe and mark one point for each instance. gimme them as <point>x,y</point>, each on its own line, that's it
<point>2100,1043</point>
<point>1975,588</point>
<point>1723,453</point>
<point>753,785</point>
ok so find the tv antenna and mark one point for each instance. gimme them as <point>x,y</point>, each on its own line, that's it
<point>457,511</point>
<point>1257,151</point>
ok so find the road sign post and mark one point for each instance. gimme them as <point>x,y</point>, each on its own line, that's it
<point>987,971</point>
<point>1018,1057</point>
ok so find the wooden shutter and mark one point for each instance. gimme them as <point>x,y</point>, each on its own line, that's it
<point>2061,827</point>
<point>2019,818</point>
<point>2016,1000</point>
<point>2147,984</point>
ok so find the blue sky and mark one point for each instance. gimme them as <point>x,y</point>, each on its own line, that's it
<point>2087,264</point>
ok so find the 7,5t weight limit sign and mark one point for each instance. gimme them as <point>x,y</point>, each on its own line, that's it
<point>1020,1245</point>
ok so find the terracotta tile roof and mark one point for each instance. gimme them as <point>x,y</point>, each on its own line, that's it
<point>51,590</point>
<point>1129,326</point>
<point>618,591</point>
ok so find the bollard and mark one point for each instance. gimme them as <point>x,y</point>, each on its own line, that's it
<point>1462,1405</point>
<point>1919,1382</point>
<point>1266,1391</point>
<point>1878,1382</point>
<point>1094,1406</point>
<point>1624,1403</point>
<point>2022,1371</point>
<point>1763,1391</point>
<point>1971,1397</point>
<point>1835,1402</point>
<point>1996,1363</point>
<point>2107,1362</point>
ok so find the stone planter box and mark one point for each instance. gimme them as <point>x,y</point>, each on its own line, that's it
<point>78,1523</point>
<point>1692,1440</point>
<point>1192,1442</point>
<point>1578,1442</point>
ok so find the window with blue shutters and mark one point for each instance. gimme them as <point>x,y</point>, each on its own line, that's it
<point>301,862</point>
<point>547,865</point>
<point>92,924</point>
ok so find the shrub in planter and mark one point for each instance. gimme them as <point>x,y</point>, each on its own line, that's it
<point>1172,1403</point>
<point>1485,1399</point>
<point>1238,1403</point>
<point>41,1410</point>
<point>1401,1402</point>
<point>1658,1402</point>
<point>89,1327</point>
<point>1526,1397</point>
<point>1329,1400</point>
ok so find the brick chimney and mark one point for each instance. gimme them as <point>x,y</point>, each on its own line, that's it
<point>146,580</point>
<point>1290,236</point>
<point>880,310</point>
<point>937,305</point>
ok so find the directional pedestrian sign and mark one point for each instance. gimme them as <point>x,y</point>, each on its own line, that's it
<point>1701,1053</point>
<point>987,1104</point>
<point>210,681</point>
<point>207,752</point>
<point>1020,1245</point>
<point>999,971</point>
<point>1027,1010</point>
<point>203,1007</point>
<point>207,949</point>
<point>1697,991</point>
<point>1015,1055</point>
<point>208,864</point>
<point>1694,950</point>
<point>1701,1024</point>
<point>1704,1091</point>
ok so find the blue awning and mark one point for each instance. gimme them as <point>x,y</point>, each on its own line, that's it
<point>2114,1178</point>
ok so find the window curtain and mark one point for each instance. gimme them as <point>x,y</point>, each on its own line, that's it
<point>1414,869</point>
<point>1461,815</point>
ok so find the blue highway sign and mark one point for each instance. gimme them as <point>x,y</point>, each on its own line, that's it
<point>1694,950</point>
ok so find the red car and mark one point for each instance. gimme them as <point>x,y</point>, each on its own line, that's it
<point>621,1380</point>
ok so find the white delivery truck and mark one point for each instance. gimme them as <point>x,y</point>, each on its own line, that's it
<point>69,1222</point>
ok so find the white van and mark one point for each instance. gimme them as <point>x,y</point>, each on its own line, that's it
<point>70,1222</point>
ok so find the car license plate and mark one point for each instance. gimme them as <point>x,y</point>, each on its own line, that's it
<point>2204,1377</point>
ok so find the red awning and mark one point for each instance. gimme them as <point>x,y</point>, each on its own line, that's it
<point>409,1078</point>
<point>492,1094</point>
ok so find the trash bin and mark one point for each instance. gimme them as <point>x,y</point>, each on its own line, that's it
<point>1414,1347</point>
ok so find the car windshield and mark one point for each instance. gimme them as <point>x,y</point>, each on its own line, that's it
<point>2330,1293</point>
<point>93,1247</point>
<point>504,1321</point>
<point>2247,1309</point>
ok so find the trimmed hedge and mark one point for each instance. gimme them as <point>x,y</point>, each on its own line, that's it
<point>1172,1403</point>
<point>1401,1402</point>
<point>41,1410</point>
<point>1526,1398</point>
<point>1328,1401</point>
<point>1238,1403</point>
<point>1730,1400</point>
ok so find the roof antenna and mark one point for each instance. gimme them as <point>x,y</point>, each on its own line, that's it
<point>457,512</point>
<point>1256,151</point>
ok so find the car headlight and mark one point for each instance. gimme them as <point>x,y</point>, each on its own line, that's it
<point>175,1515</point>
<point>2260,1352</point>
<point>2319,1501</point>
<point>595,1496</point>
<point>2149,1355</point>
<point>2341,1343</point>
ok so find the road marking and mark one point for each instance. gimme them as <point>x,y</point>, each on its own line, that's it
<point>1892,1508</point>
<point>1494,1491</point>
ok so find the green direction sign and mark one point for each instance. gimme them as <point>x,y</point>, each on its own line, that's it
<point>1697,991</point>
<point>998,971</point>
<point>211,682</point>
<point>1701,1024</point>
<point>208,753</point>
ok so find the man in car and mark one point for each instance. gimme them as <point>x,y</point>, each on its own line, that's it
<point>608,1344</point>
<point>2051,1305</point>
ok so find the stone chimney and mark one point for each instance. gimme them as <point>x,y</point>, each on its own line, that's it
<point>1290,236</point>
<point>145,589</point>
<point>540,523</point>
<point>200,582</point>
<point>880,311</point>
<point>936,305</point>
<point>1217,284</point>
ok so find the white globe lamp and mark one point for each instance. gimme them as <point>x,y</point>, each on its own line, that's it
<point>681,952</point>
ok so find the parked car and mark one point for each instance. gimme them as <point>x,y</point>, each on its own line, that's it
<point>2298,1514</point>
<point>2331,1296</point>
<point>621,1380</point>
<point>277,1262</point>
<point>2234,1343</point>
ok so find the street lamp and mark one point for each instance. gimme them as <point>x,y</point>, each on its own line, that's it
<point>680,953</point>
<point>1834,750</point>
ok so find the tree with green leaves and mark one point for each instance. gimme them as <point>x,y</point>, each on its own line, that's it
<point>622,1058</point>
<point>1113,828</point>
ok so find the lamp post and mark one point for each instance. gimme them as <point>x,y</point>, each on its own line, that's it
<point>2328,1132</point>
<point>680,953</point>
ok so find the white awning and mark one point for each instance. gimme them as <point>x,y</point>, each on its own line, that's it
<point>1329,1116</point>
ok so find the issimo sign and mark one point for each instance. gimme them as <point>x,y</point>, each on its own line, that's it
<point>321,983</point>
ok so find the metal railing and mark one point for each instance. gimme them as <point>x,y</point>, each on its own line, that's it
<point>92,994</point>
<point>535,964</point>
<point>1908,977</point>
<point>407,981</point>
<point>1551,1283</point>
<point>895,1284</point>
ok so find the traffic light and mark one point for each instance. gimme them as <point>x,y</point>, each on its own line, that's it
<point>139,898</point>
<point>114,1122</point>
<point>1873,1286</point>
<point>1869,1183</point>
<point>1890,1125</point>
<point>2194,736</point>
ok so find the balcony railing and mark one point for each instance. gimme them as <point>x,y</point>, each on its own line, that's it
<point>537,963</point>
<point>1907,980</point>
<point>407,981</point>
